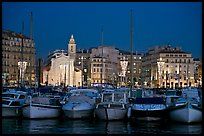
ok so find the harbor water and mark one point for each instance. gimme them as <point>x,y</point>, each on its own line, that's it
<point>89,126</point>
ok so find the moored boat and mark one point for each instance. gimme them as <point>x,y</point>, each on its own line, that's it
<point>113,106</point>
<point>149,108</point>
<point>186,110</point>
<point>12,102</point>
<point>42,107</point>
<point>11,108</point>
<point>80,103</point>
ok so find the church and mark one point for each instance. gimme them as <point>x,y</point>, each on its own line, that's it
<point>60,69</point>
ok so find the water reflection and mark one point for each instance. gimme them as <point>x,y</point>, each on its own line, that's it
<point>112,127</point>
<point>88,126</point>
<point>149,127</point>
<point>41,126</point>
<point>179,128</point>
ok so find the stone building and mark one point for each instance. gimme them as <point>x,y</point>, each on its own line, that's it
<point>18,59</point>
<point>125,63</point>
<point>82,62</point>
<point>60,69</point>
<point>169,67</point>
<point>104,65</point>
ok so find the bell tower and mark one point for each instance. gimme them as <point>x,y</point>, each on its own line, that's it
<point>72,48</point>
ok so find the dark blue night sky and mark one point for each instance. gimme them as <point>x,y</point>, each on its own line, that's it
<point>154,23</point>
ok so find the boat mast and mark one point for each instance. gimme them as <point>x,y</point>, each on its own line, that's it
<point>102,56</point>
<point>21,64</point>
<point>131,69</point>
<point>31,38</point>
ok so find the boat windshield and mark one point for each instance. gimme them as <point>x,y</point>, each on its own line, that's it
<point>15,103</point>
<point>107,97</point>
<point>118,97</point>
<point>5,102</point>
<point>10,95</point>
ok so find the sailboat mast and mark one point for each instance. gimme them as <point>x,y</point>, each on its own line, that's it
<point>21,64</point>
<point>131,68</point>
<point>102,56</point>
<point>31,40</point>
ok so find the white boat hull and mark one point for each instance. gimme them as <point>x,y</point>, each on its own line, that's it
<point>186,114</point>
<point>78,110</point>
<point>111,113</point>
<point>41,111</point>
<point>78,114</point>
<point>11,112</point>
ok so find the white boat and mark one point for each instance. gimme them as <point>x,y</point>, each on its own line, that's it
<point>42,107</point>
<point>12,102</point>
<point>18,95</point>
<point>186,110</point>
<point>149,108</point>
<point>80,104</point>
<point>113,106</point>
<point>11,108</point>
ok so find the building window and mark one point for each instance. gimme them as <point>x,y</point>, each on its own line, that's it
<point>71,48</point>
<point>167,60</point>
<point>167,66</point>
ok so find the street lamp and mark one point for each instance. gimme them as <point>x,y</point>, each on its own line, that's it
<point>160,64</point>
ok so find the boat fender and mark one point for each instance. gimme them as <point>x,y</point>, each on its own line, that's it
<point>129,112</point>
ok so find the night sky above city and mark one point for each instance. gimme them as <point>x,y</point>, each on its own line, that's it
<point>154,24</point>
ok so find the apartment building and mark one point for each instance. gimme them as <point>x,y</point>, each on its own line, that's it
<point>165,66</point>
<point>125,63</point>
<point>18,59</point>
<point>104,65</point>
